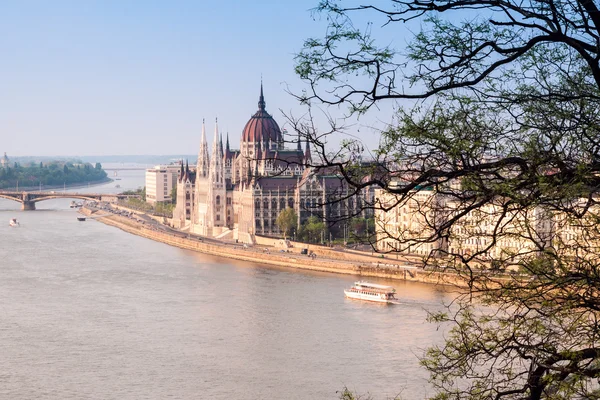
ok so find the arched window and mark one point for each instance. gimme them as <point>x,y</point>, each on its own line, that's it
<point>266,204</point>
<point>218,217</point>
<point>274,204</point>
<point>257,204</point>
<point>218,200</point>
<point>291,202</point>
<point>282,203</point>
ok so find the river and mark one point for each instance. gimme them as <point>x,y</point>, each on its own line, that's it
<point>91,312</point>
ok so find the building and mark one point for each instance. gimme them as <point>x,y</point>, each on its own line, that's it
<point>160,181</point>
<point>4,161</point>
<point>408,225</point>
<point>186,190</point>
<point>494,233</point>
<point>239,193</point>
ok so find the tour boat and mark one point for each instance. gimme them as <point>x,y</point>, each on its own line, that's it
<point>80,218</point>
<point>13,222</point>
<point>371,292</point>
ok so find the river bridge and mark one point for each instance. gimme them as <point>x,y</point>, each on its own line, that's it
<point>28,199</point>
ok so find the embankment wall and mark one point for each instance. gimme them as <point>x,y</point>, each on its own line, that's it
<point>298,261</point>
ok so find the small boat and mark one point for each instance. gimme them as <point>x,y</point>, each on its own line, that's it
<point>371,292</point>
<point>80,218</point>
<point>13,222</point>
<point>76,205</point>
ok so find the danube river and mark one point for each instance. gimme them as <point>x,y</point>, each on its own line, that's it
<point>91,312</point>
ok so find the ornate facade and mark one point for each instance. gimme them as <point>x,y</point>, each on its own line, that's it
<point>240,193</point>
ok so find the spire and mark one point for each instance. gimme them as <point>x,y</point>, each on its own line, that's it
<point>216,160</point>
<point>181,171</point>
<point>216,139</point>
<point>261,100</point>
<point>203,159</point>
<point>307,156</point>
<point>221,154</point>
<point>299,142</point>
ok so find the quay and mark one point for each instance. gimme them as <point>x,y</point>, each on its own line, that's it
<point>350,264</point>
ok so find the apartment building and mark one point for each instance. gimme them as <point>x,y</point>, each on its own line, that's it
<point>160,181</point>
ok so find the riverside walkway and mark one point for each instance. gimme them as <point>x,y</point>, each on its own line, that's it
<point>143,225</point>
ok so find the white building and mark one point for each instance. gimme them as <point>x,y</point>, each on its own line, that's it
<point>160,181</point>
<point>239,193</point>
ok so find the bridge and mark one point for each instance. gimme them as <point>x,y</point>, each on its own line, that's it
<point>28,199</point>
<point>125,168</point>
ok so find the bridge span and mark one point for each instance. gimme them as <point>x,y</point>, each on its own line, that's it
<point>28,199</point>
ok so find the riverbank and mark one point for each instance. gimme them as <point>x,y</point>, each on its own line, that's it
<point>282,259</point>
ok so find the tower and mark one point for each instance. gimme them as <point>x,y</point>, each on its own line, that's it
<point>200,208</point>
<point>216,187</point>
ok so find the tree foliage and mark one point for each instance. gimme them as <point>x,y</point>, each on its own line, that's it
<point>52,174</point>
<point>505,136</point>
<point>287,221</point>
<point>312,230</point>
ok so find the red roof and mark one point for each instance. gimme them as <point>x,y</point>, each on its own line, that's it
<point>262,127</point>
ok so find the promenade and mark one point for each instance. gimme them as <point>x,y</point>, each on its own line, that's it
<point>346,263</point>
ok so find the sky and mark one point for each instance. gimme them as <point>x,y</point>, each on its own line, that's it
<point>120,77</point>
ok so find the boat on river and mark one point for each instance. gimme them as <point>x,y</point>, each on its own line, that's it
<point>80,218</point>
<point>13,222</point>
<point>371,292</point>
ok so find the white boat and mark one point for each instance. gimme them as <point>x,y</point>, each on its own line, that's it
<point>13,222</point>
<point>371,292</point>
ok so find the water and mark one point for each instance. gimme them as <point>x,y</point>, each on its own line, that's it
<point>91,312</point>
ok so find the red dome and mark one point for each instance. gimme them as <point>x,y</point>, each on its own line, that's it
<point>262,127</point>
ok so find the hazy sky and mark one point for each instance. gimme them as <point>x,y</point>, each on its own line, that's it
<point>104,77</point>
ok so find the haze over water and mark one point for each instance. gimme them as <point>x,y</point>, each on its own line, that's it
<point>91,312</point>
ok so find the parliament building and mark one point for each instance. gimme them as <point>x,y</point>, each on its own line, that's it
<point>238,193</point>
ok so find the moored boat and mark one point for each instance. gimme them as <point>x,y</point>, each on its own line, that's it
<point>371,292</point>
<point>80,218</point>
<point>13,222</point>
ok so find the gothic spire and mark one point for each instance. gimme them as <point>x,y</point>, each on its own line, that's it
<point>307,156</point>
<point>299,142</point>
<point>216,139</point>
<point>261,100</point>
<point>203,158</point>
<point>221,154</point>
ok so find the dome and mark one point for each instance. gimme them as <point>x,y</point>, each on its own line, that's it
<point>262,127</point>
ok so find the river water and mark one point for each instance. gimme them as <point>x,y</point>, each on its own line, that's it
<point>91,312</point>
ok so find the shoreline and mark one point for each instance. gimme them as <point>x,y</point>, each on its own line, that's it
<point>288,260</point>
